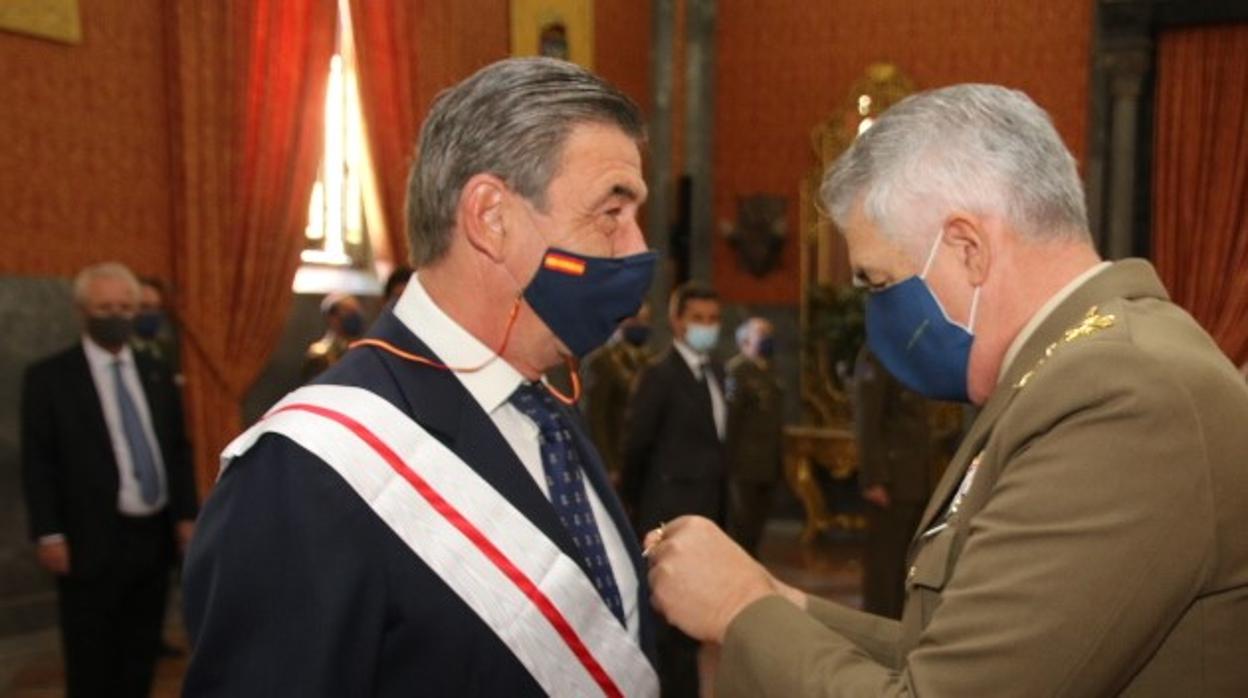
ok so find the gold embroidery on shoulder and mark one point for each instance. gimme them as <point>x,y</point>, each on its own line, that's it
<point>1092,323</point>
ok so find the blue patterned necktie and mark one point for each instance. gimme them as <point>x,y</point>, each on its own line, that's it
<point>562,464</point>
<point>141,456</point>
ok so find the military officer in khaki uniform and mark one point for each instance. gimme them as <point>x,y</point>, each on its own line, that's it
<point>894,466</point>
<point>609,375</point>
<point>1088,538</point>
<point>754,432</point>
<point>344,322</point>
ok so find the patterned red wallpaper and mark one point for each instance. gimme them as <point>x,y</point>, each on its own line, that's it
<point>783,66</point>
<point>84,145</point>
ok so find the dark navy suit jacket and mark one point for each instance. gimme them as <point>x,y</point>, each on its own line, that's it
<point>294,587</point>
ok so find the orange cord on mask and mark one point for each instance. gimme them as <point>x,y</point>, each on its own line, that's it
<point>511,322</point>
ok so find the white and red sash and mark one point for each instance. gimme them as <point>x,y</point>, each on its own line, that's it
<point>536,599</point>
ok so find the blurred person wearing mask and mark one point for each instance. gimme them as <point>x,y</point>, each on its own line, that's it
<point>755,432</point>
<point>674,458</point>
<point>609,376</point>
<point>154,329</point>
<point>344,322</point>
<point>110,496</point>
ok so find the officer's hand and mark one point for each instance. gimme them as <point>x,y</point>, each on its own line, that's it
<point>53,557</point>
<point>877,495</point>
<point>701,579</point>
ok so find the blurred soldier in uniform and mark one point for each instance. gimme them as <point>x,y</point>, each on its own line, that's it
<point>894,454</point>
<point>609,374</point>
<point>344,322</point>
<point>755,420</point>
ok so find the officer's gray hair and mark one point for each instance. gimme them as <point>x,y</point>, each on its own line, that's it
<point>510,119</point>
<point>982,148</point>
<point>104,270</point>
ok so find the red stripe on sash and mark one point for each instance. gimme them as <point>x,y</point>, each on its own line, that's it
<point>496,556</point>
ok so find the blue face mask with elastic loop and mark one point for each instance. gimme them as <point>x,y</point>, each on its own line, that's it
<point>584,299</point>
<point>916,341</point>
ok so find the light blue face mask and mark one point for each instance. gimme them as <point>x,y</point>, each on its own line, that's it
<point>914,338</point>
<point>702,338</point>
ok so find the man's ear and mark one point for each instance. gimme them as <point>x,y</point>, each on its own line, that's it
<point>968,234</point>
<point>480,214</point>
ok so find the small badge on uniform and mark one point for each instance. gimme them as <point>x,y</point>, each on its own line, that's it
<point>967,480</point>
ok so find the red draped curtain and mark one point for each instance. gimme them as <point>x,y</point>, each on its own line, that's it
<point>1200,178</point>
<point>247,95</point>
<point>385,33</point>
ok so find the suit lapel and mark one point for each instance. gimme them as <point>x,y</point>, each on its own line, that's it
<point>88,399</point>
<point>436,400</point>
<point>697,388</point>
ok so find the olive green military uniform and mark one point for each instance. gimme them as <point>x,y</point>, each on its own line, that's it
<point>609,374</point>
<point>753,437</point>
<point>1090,538</point>
<point>322,354</point>
<point>895,452</point>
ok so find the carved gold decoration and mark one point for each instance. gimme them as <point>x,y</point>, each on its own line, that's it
<point>47,19</point>
<point>1092,323</point>
<point>806,448</point>
<point>825,439</point>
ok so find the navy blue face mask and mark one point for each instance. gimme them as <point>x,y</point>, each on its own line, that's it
<point>584,299</point>
<point>636,335</point>
<point>767,347</point>
<point>916,341</point>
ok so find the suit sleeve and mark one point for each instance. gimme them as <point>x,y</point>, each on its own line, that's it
<point>642,421</point>
<point>284,591</point>
<point>1092,542</point>
<point>39,443</point>
<point>183,497</point>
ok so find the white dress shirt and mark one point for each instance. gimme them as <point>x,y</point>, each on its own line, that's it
<point>491,387</point>
<point>129,496</point>
<point>697,363</point>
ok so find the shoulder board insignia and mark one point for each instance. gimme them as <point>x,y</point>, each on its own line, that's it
<point>1092,323</point>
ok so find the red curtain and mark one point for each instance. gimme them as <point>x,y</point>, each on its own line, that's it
<point>1200,178</point>
<point>386,34</point>
<point>247,92</point>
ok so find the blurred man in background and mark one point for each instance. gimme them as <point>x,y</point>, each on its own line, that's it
<point>754,433</point>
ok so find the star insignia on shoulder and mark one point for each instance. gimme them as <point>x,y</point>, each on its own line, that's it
<point>1092,323</point>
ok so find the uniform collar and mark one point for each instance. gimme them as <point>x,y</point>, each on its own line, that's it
<point>1043,314</point>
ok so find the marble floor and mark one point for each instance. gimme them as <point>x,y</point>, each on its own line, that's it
<point>30,665</point>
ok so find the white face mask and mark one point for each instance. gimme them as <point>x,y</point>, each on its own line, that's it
<point>702,338</point>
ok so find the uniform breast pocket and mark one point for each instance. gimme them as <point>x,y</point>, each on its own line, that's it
<point>930,571</point>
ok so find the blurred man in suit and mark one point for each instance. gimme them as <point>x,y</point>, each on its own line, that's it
<point>894,469</point>
<point>754,432</point>
<point>107,474</point>
<point>429,518</point>
<point>1088,537</point>
<point>674,447</point>
<point>609,376</point>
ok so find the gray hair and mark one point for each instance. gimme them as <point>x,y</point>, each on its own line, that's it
<point>104,270</point>
<point>510,119</point>
<point>744,330</point>
<point>982,148</point>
